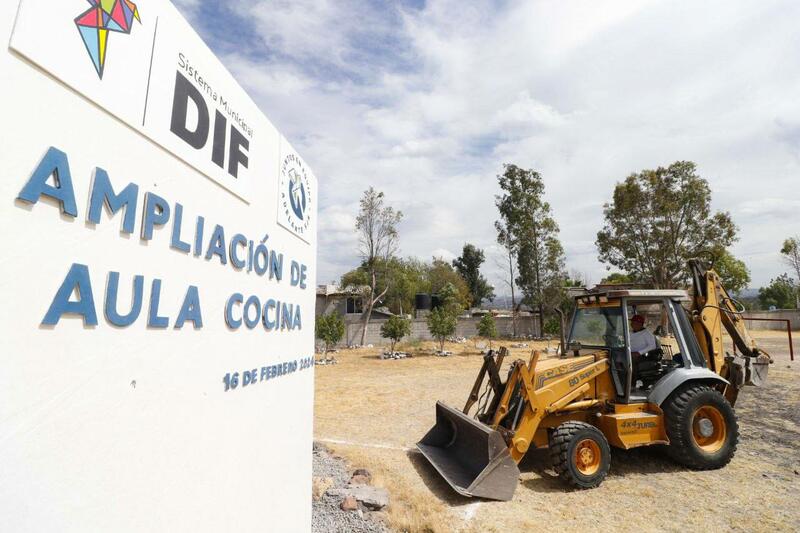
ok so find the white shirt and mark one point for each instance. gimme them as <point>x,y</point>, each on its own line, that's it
<point>643,341</point>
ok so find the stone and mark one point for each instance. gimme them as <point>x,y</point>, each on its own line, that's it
<point>349,503</point>
<point>373,498</point>
<point>363,472</point>
<point>319,485</point>
<point>359,480</point>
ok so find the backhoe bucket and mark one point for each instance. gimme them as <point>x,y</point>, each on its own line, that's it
<point>472,457</point>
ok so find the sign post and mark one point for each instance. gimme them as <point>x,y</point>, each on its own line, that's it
<point>157,280</point>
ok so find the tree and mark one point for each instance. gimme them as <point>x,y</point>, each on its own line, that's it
<point>329,329</point>
<point>468,266</point>
<point>657,220</point>
<point>451,299</point>
<point>791,256</point>
<point>441,273</point>
<point>441,324</point>
<point>506,239</point>
<point>733,272</point>
<point>780,293</point>
<point>487,328</point>
<point>376,225</point>
<point>617,278</point>
<point>528,220</point>
<point>395,329</point>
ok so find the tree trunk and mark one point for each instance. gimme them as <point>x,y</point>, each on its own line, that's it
<point>513,298</point>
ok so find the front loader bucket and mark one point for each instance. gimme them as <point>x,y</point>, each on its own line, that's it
<point>472,457</point>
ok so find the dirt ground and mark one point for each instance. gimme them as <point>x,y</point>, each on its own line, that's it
<point>372,412</point>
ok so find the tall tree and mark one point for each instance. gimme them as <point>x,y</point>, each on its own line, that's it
<point>469,266</point>
<point>791,256</point>
<point>657,220</point>
<point>780,293</point>
<point>440,274</point>
<point>733,272</point>
<point>506,239</point>
<point>376,225</point>
<point>528,218</point>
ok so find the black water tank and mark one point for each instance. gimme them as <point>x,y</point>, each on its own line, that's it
<point>422,301</point>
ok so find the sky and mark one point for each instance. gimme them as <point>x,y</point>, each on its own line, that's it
<point>426,100</point>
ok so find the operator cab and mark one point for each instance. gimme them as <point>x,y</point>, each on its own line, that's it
<point>646,333</point>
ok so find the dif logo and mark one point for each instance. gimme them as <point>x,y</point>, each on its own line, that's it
<point>232,148</point>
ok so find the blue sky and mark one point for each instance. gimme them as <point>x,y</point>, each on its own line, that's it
<point>427,100</point>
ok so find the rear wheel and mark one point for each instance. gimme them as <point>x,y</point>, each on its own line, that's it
<point>580,454</point>
<point>701,426</point>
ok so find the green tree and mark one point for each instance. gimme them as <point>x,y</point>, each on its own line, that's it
<point>528,220</point>
<point>441,324</point>
<point>733,272</point>
<point>657,220</point>
<point>506,239</point>
<point>376,225</point>
<point>329,329</point>
<point>487,328</point>
<point>440,273</point>
<point>469,267</point>
<point>791,256</point>
<point>780,293</point>
<point>395,329</point>
<point>451,299</point>
<point>618,278</point>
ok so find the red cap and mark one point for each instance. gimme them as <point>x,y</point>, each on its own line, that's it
<point>637,318</point>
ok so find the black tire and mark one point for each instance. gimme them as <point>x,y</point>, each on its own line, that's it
<point>692,441</point>
<point>564,452</point>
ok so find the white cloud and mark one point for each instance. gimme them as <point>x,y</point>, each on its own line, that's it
<point>426,104</point>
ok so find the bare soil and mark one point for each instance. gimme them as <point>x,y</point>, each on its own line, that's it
<point>373,411</point>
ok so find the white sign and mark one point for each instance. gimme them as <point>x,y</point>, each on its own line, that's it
<point>158,280</point>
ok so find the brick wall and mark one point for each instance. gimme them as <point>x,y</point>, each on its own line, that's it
<point>466,327</point>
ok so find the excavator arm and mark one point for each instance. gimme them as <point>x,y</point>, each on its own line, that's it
<point>712,310</point>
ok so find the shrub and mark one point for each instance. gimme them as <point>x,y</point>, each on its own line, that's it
<point>395,329</point>
<point>329,329</point>
<point>487,328</point>
<point>441,324</point>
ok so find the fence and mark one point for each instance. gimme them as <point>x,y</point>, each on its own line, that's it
<point>792,315</point>
<point>466,327</point>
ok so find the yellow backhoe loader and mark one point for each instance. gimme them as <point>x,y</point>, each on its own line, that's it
<point>602,392</point>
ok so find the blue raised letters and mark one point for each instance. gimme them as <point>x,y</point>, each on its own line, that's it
<point>190,310</point>
<point>235,241</point>
<point>111,300</point>
<point>54,163</point>
<point>269,324</point>
<point>216,246</point>
<point>153,320</point>
<point>156,212</point>
<point>276,261</point>
<point>232,322</point>
<point>254,303</point>
<point>175,240</point>
<point>103,193</point>
<point>261,266</point>
<point>77,278</point>
<point>198,237</point>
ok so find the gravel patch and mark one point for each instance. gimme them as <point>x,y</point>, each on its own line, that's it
<point>327,516</point>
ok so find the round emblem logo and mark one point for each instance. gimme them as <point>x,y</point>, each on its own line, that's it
<point>295,195</point>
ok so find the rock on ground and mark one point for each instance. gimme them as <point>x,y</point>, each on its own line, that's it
<point>327,516</point>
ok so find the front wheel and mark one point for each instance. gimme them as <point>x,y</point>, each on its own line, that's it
<point>701,426</point>
<point>580,453</point>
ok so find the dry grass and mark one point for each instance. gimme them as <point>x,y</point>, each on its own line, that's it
<point>372,412</point>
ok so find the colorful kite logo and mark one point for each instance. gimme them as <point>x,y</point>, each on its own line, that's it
<point>95,23</point>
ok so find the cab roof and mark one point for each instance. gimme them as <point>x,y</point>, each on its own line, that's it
<point>606,296</point>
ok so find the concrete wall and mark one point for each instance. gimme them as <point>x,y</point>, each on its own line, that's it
<point>792,315</point>
<point>466,327</point>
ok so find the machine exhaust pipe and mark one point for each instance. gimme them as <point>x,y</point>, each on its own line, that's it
<point>472,457</point>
